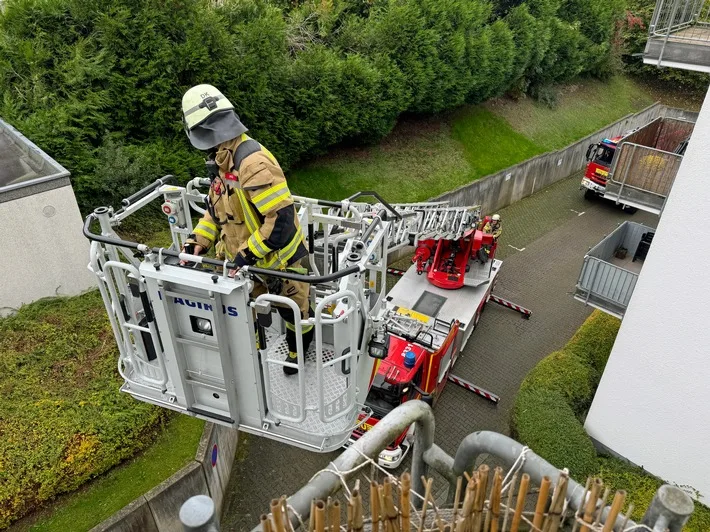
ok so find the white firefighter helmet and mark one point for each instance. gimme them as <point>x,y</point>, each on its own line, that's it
<point>209,117</point>
<point>496,217</point>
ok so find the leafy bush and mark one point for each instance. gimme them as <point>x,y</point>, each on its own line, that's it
<point>565,374</point>
<point>93,81</point>
<point>593,342</point>
<point>556,394</point>
<point>62,417</point>
<point>641,487</point>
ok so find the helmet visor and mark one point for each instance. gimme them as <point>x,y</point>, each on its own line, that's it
<point>215,129</point>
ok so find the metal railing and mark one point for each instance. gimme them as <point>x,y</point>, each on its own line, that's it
<point>678,21</point>
<point>670,508</point>
<point>687,20</point>
<point>607,285</point>
<point>603,284</point>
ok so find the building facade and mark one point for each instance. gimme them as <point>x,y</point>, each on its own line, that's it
<point>43,251</point>
<point>652,406</point>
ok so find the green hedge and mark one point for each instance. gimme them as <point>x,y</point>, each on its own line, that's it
<point>62,417</point>
<point>557,393</point>
<point>98,85</point>
<point>554,398</point>
<point>546,424</point>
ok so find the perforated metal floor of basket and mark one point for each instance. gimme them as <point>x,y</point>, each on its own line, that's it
<point>285,393</point>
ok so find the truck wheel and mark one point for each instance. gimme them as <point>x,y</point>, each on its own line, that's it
<point>589,195</point>
<point>628,209</point>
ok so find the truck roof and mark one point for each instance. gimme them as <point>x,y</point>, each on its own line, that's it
<point>612,142</point>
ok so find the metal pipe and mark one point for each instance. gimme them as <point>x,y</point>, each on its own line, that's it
<point>313,201</point>
<point>191,185</point>
<point>146,190</point>
<point>670,508</point>
<point>370,445</point>
<point>441,462</point>
<point>509,450</point>
<point>310,279</point>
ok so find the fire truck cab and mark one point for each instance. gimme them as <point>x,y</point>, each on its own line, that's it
<point>600,157</point>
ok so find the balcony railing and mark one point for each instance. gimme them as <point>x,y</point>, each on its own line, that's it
<point>611,268</point>
<point>679,35</point>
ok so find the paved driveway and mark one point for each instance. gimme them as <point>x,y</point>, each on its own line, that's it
<point>544,240</point>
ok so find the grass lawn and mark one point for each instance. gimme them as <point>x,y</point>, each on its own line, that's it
<point>101,498</point>
<point>400,166</point>
<point>423,158</point>
<point>582,108</point>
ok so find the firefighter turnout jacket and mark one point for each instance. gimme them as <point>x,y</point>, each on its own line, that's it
<point>251,218</point>
<point>495,231</point>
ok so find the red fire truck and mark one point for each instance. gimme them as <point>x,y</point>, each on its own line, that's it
<point>437,313</point>
<point>600,157</point>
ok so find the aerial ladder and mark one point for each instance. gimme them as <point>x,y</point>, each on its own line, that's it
<point>191,339</point>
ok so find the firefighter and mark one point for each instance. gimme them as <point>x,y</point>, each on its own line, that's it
<point>251,218</point>
<point>494,227</point>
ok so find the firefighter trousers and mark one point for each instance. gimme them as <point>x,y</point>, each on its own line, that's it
<point>298,292</point>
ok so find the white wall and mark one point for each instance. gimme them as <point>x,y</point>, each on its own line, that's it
<point>653,403</point>
<point>42,249</point>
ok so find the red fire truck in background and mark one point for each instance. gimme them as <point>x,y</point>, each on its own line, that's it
<point>600,157</point>
<point>439,301</point>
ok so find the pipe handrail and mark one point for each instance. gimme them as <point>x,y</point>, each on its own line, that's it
<point>369,446</point>
<point>143,248</point>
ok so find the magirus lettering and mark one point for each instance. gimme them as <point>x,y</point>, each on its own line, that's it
<point>229,311</point>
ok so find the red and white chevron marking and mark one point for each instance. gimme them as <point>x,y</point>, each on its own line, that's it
<point>525,312</point>
<point>395,271</point>
<point>473,388</point>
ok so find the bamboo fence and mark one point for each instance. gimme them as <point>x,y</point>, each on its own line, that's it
<point>483,502</point>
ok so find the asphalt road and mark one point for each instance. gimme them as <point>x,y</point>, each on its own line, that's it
<point>544,240</point>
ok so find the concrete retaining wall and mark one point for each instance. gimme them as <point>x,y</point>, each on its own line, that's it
<point>207,474</point>
<point>499,190</point>
<point>42,239</point>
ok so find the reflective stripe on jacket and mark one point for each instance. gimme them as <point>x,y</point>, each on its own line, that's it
<point>255,213</point>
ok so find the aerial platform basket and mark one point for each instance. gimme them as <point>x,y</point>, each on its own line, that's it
<point>188,337</point>
<point>191,339</point>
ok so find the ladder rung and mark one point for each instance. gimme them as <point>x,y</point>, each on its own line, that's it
<point>204,384</point>
<point>212,346</point>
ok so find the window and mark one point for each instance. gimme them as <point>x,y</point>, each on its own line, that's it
<point>604,155</point>
<point>383,401</point>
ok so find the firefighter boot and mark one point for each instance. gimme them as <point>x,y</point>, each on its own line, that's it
<point>292,356</point>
